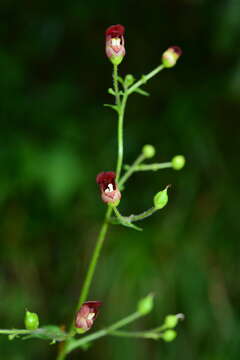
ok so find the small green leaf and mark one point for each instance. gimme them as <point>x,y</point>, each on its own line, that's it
<point>114,107</point>
<point>50,332</point>
<point>12,336</point>
<point>111,91</point>
<point>120,79</point>
<point>130,225</point>
<point>142,92</point>
<point>144,79</point>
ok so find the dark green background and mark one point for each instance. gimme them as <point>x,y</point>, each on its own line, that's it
<point>56,136</point>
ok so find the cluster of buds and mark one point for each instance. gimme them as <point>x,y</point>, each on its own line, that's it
<point>110,193</point>
<point>86,315</point>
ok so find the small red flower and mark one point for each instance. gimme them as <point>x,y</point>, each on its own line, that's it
<point>108,187</point>
<point>87,314</point>
<point>115,49</point>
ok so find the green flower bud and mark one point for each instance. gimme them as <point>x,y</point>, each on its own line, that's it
<point>161,199</point>
<point>178,162</point>
<point>145,305</point>
<point>129,80</point>
<point>31,320</point>
<point>170,56</point>
<point>169,335</point>
<point>171,321</point>
<point>148,151</point>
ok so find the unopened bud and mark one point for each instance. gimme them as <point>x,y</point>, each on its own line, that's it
<point>145,305</point>
<point>178,162</point>
<point>169,335</point>
<point>129,80</point>
<point>170,56</point>
<point>31,320</point>
<point>161,199</point>
<point>171,321</point>
<point>148,151</point>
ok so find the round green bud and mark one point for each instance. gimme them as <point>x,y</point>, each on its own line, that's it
<point>129,80</point>
<point>171,321</point>
<point>31,321</point>
<point>145,305</point>
<point>178,162</point>
<point>148,151</point>
<point>161,199</point>
<point>169,335</point>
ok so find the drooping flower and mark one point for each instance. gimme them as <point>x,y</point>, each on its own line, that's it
<point>171,55</point>
<point>115,49</point>
<point>87,314</point>
<point>108,187</point>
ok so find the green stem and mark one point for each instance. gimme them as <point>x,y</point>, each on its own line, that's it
<point>131,169</point>
<point>115,83</point>
<point>133,218</point>
<point>120,135</point>
<point>95,256</point>
<point>16,331</point>
<point>135,334</point>
<point>152,167</point>
<point>123,322</point>
<point>145,78</point>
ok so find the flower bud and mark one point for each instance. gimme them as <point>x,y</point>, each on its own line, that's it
<point>161,199</point>
<point>86,315</point>
<point>178,162</point>
<point>169,335</point>
<point>109,190</point>
<point>145,305</point>
<point>115,49</point>
<point>171,321</point>
<point>129,80</point>
<point>170,56</point>
<point>31,320</point>
<point>148,151</point>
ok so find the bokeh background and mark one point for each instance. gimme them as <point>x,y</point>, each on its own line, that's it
<point>56,136</point>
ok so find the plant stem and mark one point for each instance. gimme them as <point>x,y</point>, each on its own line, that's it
<point>131,169</point>
<point>102,234</point>
<point>152,167</point>
<point>145,78</point>
<point>16,331</point>
<point>120,135</point>
<point>115,83</point>
<point>123,322</point>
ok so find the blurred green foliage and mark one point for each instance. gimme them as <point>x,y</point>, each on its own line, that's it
<point>56,136</point>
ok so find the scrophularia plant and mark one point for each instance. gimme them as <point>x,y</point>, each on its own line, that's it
<point>110,185</point>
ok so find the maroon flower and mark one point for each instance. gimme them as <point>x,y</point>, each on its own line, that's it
<point>115,49</point>
<point>171,55</point>
<point>87,314</point>
<point>108,187</point>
